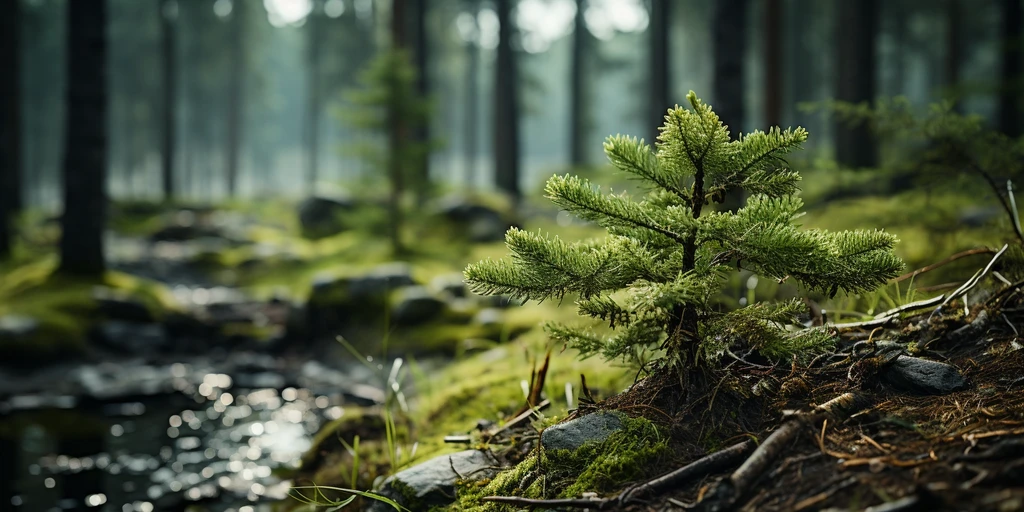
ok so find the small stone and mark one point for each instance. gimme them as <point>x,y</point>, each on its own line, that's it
<point>323,216</point>
<point>17,327</point>
<point>575,433</point>
<point>453,284</point>
<point>117,305</point>
<point>923,376</point>
<point>488,317</point>
<point>432,483</point>
<point>415,305</point>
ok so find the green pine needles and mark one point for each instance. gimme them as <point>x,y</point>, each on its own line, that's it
<point>653,278</point>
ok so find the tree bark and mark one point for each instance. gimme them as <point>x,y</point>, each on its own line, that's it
<point>856,28</point>
<point>421,60</point>
<point>10,122</point>
<point>730,45</point>
<point>773,65</point>
<point>397,137</point>
<point>954,50</point>
<point>579,88</point>
<point>236,95</point>
<point>506,108</point>
<point>85,153</point>
<point>313,101</point>
<point>472,99</point>
<point>169,57</point>
<point>1011,77</point>
<point>660,68</point>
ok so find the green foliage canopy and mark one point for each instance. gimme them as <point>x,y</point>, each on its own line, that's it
<point>654,276</point>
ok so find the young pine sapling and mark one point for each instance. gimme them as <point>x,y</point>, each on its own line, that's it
<point>653,278</point>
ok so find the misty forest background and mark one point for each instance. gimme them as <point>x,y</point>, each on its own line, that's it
<point>242,99</point>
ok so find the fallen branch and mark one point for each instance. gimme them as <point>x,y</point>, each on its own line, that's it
<point>951,259</point>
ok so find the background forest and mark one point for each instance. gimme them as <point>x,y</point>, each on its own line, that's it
<point>228,215</point>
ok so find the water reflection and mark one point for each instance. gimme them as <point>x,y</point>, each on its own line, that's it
<point>211,445</point>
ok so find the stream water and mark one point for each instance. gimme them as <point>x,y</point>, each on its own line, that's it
<point>211,443</point>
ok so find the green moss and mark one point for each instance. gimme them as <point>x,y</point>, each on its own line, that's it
<point>628,455</point>
<point>65,306</point>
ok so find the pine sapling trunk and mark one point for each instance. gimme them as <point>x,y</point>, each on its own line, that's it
<point>688,318</point>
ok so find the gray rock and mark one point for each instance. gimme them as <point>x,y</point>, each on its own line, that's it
<point>575,433</point>
<point>323,216</point>
<point>453,284</point>
<point>116,305</point>
<point>382,279</point>
<point>432,483</point>
<point>480,223</point>
<point>17,328</point>
<point>488,316</point>
<point>132,338</point>
<point>923,377</point>
<point>414,305</point>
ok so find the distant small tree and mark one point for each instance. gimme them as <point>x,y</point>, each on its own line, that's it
<point>666,256</point>
<point>387,104</point>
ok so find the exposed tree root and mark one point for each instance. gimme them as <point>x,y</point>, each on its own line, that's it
<point>699,468</point>
<point>729,492</point>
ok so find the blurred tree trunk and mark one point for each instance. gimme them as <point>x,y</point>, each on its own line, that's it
<point>773,65</point>
<point>954,49</point>
<point>470,122</point>
<point>10,121</point>
<point>85,152</point>
<point>857,24</point>
<point>730,45</point>
<point>236,94</point>
<point>169,58</point>
<point>506,108</point>
<point>660,68</point>
<point>421,60</point>
<point>314,100</point>
<point>579,88</point>
<point>1011,78</point>
<point>397,137</point>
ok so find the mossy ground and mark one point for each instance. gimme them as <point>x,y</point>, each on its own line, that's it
<point>66,308</point>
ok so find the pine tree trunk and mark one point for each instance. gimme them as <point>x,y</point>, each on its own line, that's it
<point>856,27</point>
<point>579,88</point>
<point>954,51</point>
<point>1011,77</point>
<point>313,101</point>
<point>421,60</point>
<point>773,65</point>
<point>471,121</point>
<point>236,95</point>
<point>660,66</point>
<point>730,45</point>
<point>169,57</point>
<point>85,153</point>
<point>10,122</point>
<point>397,137</point>
<point>506,108</point>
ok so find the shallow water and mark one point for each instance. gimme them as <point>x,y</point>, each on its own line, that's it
<point>210,444</point>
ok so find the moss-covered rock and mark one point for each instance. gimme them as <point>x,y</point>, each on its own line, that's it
<point>603,467</point>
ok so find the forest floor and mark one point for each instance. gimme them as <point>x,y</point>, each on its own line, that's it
<point>839,433</point>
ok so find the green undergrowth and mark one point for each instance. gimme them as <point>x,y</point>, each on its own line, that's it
<point>65,306</point>
<point>636,452</point>
<point>487,385</point>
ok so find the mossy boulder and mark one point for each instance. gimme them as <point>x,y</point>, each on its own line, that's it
<point>323,216</point>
